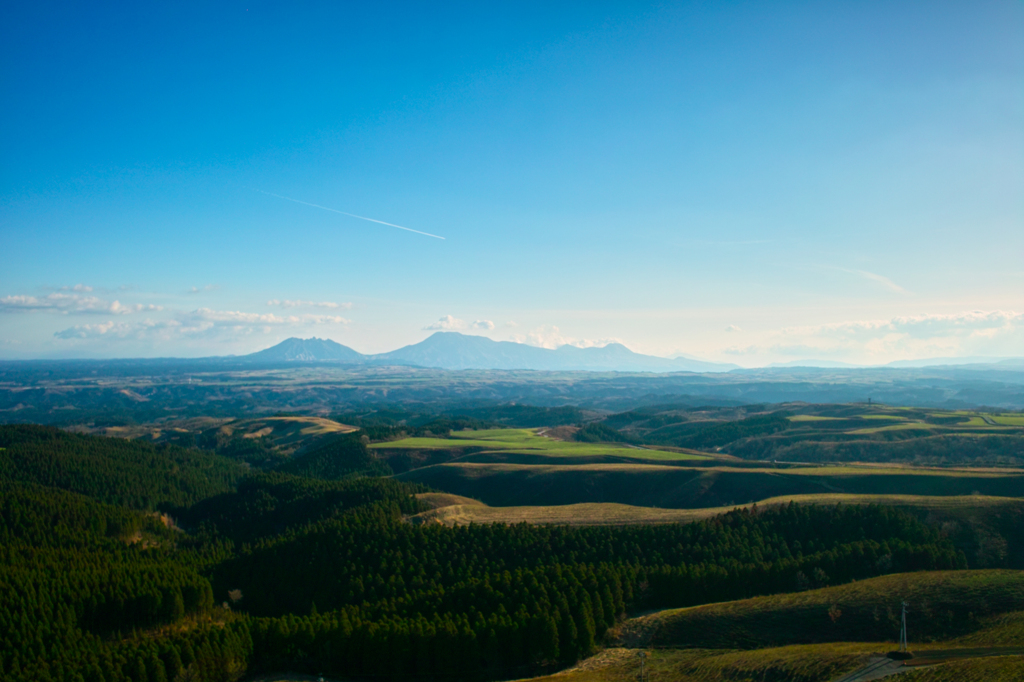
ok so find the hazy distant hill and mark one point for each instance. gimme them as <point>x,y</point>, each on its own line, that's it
<point>307,350</point>
<point>956,362</point>
<point>827,364</point>
<point>451,350</point>
<point>978,362</point>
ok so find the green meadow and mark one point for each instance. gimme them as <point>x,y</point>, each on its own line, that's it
<point>529,442</point>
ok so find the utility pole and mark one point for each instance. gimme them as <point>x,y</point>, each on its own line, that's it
<point>644,675</point>
<point>903,629</point>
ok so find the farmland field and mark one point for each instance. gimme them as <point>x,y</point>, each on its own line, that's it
<point>529,442</point>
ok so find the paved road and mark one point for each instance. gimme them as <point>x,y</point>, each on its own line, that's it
<point>877,668</point>
<point>882,666</point>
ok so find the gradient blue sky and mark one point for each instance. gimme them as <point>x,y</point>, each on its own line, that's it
<point>746,182</point>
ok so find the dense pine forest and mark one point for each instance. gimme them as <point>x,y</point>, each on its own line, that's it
<point>122,560</point>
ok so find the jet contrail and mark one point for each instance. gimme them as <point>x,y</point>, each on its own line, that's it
<point>350,215</point>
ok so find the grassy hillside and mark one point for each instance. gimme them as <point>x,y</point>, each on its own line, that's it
<point>800,663</point>
<point>796,663</point>
<point>757,639</point>
<point>679,487</point>
<point>996,669</point>
<point>943,605</point>
<point>454,509</point>
<point>284,431</point>
<point>826,433</point>
<point>586,514</point>
<point>529,442</point>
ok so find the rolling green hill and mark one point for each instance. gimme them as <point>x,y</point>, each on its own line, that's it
<point>833,433</point>
<point>944,605</point>
<point>451,510</point>
<point>680,487</point>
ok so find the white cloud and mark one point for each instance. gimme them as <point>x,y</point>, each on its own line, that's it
<point>552,337</point>
<point>483,324</point>
<point>446,323</point>
<point>235,318</point>
<point>147,329</point>
<point>985,322</point>
<point>275,303</point>
<point>203,321</point>
<point>977,332</point>
<point>64,303</point>
<point>733,328</point>
<point>204,289</point>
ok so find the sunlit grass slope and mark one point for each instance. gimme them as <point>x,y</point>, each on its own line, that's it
<point>797,663</point>
<point>992,669</point>
<point>528,442</point>
<point>800,663</point>
<point>944,605</point>
<point>453,510</point>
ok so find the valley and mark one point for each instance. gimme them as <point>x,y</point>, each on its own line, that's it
<point>489,541</point>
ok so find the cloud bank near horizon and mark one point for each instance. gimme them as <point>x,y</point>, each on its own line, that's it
<point>157,326</point>
<point>975,332</point>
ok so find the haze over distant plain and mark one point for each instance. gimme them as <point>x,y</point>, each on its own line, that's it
<point>740,184</point>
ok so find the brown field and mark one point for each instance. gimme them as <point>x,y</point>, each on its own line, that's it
<point>285,430</point>
<point>439,500</point>
<point>584,514</point>
<point>287,434</point>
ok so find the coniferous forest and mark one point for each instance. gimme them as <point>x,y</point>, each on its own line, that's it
<point>123,560</point>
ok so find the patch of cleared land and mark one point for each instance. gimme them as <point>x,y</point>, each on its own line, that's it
<point>285,431</point>
<point>906,419</point>
<point>440,500</point>
<point>585,514</point>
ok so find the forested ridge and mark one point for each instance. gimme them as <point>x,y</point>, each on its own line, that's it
<point>132,473</point>
<point>268,571</point>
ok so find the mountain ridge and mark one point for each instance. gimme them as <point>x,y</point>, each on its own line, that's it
<point>455,351</point>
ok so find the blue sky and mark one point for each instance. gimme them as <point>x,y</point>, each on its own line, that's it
<point>746,182</point>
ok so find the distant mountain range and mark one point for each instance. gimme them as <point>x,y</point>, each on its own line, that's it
<point>454,351</point>
<point>451,350</point>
